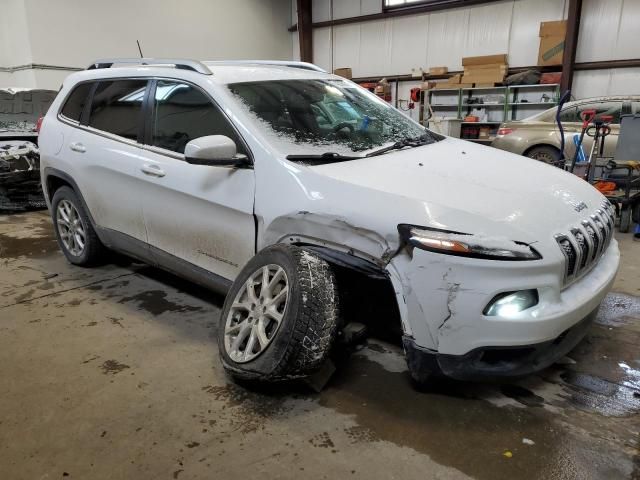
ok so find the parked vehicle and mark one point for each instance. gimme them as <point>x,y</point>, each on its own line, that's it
<point>270,182</point>
<point>20,109</point>
<point>538,136</point>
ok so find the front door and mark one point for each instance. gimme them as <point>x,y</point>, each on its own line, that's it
<point>200,214</point>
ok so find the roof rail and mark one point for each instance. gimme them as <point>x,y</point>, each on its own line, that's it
<point>281,63</point>
<point>182,64</point>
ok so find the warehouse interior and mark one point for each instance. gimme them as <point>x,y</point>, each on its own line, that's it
<point>442,195</point>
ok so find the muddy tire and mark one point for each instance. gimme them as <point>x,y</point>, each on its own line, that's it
<point>75,234</point>
<point>546,154</point>
<point>280,318</point>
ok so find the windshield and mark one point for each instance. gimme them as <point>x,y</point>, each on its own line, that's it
<point>325,115</point>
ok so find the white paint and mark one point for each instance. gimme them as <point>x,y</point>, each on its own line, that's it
<point>611,81</point>
<point>75,33</point>
<point>354,206</point>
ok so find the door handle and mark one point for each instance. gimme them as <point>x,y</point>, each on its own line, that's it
<point>152,169</point>
<point>77,147</point>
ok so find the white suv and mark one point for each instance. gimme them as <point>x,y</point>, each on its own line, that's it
<point>290,189</point>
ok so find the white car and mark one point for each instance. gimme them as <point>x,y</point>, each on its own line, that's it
<point>291,189</point>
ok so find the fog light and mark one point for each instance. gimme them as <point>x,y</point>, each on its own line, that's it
<point>509,303</point>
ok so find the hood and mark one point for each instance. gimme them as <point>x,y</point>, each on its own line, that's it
<point>474,189</point>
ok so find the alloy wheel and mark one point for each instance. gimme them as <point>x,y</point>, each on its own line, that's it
<point>70,227</point>
<point>256,313</point>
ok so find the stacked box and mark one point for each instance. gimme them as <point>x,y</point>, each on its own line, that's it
<point>453,81</point>
<point>486,70</point>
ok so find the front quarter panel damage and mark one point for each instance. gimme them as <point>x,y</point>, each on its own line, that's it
<point>334,232</point>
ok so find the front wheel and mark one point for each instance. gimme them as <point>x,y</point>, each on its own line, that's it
<point>280,317</point>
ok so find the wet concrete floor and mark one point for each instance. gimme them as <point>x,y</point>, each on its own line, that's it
<point>113,373</point>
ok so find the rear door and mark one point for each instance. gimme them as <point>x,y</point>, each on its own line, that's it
<point>106,157</point>
<point>200,214</point>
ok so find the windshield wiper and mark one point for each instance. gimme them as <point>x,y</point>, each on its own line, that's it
<point>327,157</point>
<point>407,142</point>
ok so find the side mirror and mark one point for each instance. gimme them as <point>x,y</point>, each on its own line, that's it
<point>214,150</point>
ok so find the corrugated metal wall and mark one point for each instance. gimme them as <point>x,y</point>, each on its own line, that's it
<point>609,31</point>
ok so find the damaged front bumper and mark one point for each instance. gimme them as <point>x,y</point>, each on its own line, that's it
<point>445,328</point>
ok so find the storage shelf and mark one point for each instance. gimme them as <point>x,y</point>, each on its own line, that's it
<point>510,108</point>
<point>551,104</point>
<point>538,85</point>
<point>483,104</point>
<point>482,88</point>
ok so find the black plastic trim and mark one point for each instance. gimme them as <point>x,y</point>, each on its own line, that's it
<point>347,260</point>
<point>519,360</point>
<point>159,258</point>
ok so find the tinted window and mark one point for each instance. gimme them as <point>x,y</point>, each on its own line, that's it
<point>117,107</point>
<point>635,108</point>
<point>183,112</point>
<point>75,103</point>
<point>569,115</point>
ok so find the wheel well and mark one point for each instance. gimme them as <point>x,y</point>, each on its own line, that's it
<point>54,183</point>
<point>366,293</point>
<point>546,145</point>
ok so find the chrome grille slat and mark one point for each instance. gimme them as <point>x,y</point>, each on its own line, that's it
<point>584,244</point>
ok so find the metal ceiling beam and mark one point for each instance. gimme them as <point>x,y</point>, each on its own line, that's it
<point>571,44</point>
<point>305,32</point>
<point>397,12</point>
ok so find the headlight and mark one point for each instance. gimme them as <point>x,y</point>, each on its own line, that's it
<point>466,245</point>
<point>509,303</point>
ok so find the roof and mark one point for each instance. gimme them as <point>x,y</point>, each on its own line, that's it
<point>234,73</point>
<point>228,71</point>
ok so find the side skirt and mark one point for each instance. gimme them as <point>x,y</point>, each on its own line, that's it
<point>159,258</point>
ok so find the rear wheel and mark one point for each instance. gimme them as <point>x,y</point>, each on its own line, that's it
<point>280,317</point>
<point>74,232</point>
<point>544,153</point>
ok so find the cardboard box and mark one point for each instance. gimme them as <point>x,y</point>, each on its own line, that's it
<point>553,29</point>
<point>344,72</point>
<point>438,71</point>
<point>484,60</point>
<point>552,35</point>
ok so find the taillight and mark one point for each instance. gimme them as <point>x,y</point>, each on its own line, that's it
<point>39,124</point>
<point>505,131</point>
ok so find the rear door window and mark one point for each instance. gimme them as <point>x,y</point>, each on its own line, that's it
<point>569,115</point>
<point>182,113</point>
<point>76,102</point>
<point>117,107</point>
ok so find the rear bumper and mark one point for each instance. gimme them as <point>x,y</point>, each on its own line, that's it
<point>493,363</point>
